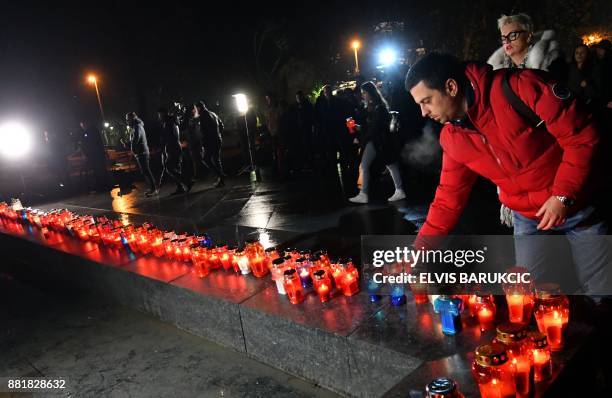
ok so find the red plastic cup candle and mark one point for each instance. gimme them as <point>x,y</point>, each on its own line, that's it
<point>322,285</point>
<point>157,247</point>
<point>350,279</point>
<point>293,286</point>
<point>258,265</point>
<point>485,313</point>
<point>552,315</point>
<point>337,272</point>
<point>200,264</point>
<point>520,307</point>
<point>227,257</point>
<point>270,254</point>
<point>542,365</point>
<point>554,324</point>
<point>238,253</point>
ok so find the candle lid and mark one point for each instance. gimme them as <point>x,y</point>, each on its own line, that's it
<point>441,387</point>
<point>300,260</point>
<point>278,261</point>
<point>290,273</point>
<point>319,274</point>
<point>270,249</point>
<point>539,339</point>
<point>511,332</point>
<point>304,253</point>
<point>232,247</point>
<point>491,354</point>
<point>289,250</point>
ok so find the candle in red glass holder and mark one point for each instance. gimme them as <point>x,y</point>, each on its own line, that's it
<point>350,279</point>
<point>324,258</point>
<point>198,258</point>
<point>258,264</point>
<point>270,255</point>
<point>214,262</point>
<point>227,257</point>
<point>157,246</point>
<point>542,365</point>
<point>168,247</point>
<point>552,315</point>
<point>337,272</point>
<point>322,285</point>
<point>493,372</point>
<point>293,286</point>
<point>485,312</point>
<point>520,306</point>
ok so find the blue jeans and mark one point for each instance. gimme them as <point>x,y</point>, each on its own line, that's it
<point>590,251</point>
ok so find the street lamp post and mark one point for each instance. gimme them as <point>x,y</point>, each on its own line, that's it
<point>356,44</point>
<point>92,79</point>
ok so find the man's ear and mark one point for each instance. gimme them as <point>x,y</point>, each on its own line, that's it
<point>451,87</point>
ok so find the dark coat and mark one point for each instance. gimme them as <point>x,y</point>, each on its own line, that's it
<point>169,138</point>
<point>377,131</point>
<point>138,138</point>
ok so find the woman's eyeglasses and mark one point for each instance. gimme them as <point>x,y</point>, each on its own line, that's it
<point>510,37</point>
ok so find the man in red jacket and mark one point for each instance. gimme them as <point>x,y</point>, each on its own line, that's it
<point>544,174</point>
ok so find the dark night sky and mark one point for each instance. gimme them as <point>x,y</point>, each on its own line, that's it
<point>148,55</point>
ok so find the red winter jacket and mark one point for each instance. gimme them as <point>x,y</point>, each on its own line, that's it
<point>527,164</point>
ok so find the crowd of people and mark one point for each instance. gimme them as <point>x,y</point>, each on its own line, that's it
<point>305,137</point>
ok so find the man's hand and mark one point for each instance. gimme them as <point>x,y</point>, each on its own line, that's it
<point>553,214</point>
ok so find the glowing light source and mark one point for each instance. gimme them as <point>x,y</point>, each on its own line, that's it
<point>592,38</point>
<point>15,140</point>
<point>92,79</point>
<point>241,103</point>
<point>356,44</point>
<point>387,57</point>
<point>106,124</point>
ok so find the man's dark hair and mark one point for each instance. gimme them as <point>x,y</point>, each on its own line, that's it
<point>434,70</point>
<point>300,93</point>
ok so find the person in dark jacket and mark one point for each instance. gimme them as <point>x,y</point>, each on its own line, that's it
<point>331,113</point>
<point>140,149</point>
<point>211,127</point>
<point>584,77</point>
<point>172,158</point>
<point>376,140</point>
<point>303,139</point>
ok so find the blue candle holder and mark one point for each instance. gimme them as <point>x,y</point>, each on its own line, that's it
<point>397,295</point>
<point>374,291</point>
<point>449,310</point>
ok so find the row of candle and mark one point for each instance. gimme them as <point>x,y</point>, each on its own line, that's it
<point>295,273</point>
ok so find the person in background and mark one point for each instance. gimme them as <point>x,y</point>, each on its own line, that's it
<point>584,77</point>
<point>211,127</point>
<point>140,150</point>
<point>525,49</point>
<point>172,158</point>
<point>376,140</point>
<point>90,144</point>
<point>303,142</point>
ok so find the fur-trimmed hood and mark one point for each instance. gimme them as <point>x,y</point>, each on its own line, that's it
<point>543,51</point>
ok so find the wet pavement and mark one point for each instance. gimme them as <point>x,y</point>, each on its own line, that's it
<point>106,350</point>
<point>308,212</point>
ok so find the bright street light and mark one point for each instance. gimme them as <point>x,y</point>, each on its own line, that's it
<point>356,45</point>
<point>93,79</point>
<point>106,124</point>
<point>387,57</point>
<point>241,103</point>
<point>15,140</point>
